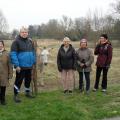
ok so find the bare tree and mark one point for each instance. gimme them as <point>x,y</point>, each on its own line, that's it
<point>97,22</point>
<point>116,7</point>
<point>67,23</point>
<point>108,24</point>
<point>53,29</point>
<point>15,32</point>
<point>3,23</point>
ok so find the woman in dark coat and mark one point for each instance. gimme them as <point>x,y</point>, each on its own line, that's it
<point>103,51</point>
<point>66,65</point>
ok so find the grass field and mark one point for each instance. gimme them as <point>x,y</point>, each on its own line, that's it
<point>52,104</point>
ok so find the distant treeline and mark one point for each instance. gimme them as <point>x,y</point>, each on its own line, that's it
<point>89,27</point>
<point>76,29</point>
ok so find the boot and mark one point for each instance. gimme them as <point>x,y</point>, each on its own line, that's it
<point>3,102</point>
<point>65,91</point>
<point>17,99</point>
<point>2,95</point>
<point>29,95</point>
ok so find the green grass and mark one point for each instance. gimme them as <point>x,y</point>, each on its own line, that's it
<point>57,106</point>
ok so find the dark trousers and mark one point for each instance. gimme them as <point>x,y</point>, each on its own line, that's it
<point>104,77</point>
<point>23,75</point>
<point>2,93</point>
<point>87,77</point>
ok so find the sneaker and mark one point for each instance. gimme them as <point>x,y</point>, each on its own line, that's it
<point>17,99</point>
<point>94,90</point>
<point>103,90</point>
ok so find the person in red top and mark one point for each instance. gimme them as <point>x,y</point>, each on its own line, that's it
<point>103,50</point>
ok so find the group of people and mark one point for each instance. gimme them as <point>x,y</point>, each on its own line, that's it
<point>23,57</point>
<point>69,60</point>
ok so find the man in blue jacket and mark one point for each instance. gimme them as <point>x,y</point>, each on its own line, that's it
<point>23,58</point>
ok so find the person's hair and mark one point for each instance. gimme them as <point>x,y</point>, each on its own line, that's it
<point>66,39</point>
<point>23,29</point>
<point>2,42</point>
<point>104,35</point>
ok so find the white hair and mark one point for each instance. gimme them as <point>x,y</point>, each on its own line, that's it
<point>66,39</point>
<point>23,29</point>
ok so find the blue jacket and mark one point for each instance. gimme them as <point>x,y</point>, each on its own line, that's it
<point>22,53</point>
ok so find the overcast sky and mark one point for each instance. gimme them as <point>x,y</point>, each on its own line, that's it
<point>25,12</point>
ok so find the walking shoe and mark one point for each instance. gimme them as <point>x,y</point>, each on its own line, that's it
<point>65,91</point>
<point>94,89</point>
<point>28,95</point>
<point>70,91</point>
<point>17,99</point>
<point>81,90</point>
<point>87,92</point>
<point>103,90</point>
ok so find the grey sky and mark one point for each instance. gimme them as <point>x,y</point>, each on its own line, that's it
<point>24,12</point>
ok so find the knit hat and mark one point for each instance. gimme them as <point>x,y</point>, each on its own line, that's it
<point>83,41</point>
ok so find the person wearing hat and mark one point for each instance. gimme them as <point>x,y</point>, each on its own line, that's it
<point>84,59</point>
<point>6,71</point>
<point>103,50</point>
<point>23,58</point>
<point>66,65</point>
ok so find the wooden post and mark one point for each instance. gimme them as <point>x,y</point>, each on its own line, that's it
<point>34,71</point>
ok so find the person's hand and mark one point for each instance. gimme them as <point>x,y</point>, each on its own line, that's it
<point>60,69</point>
<point>74,68</point>
<point>81,65</point>
<point>107,66</point>
<point>84,66</point>
<point>18,69</point>
<point>98,42</point>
